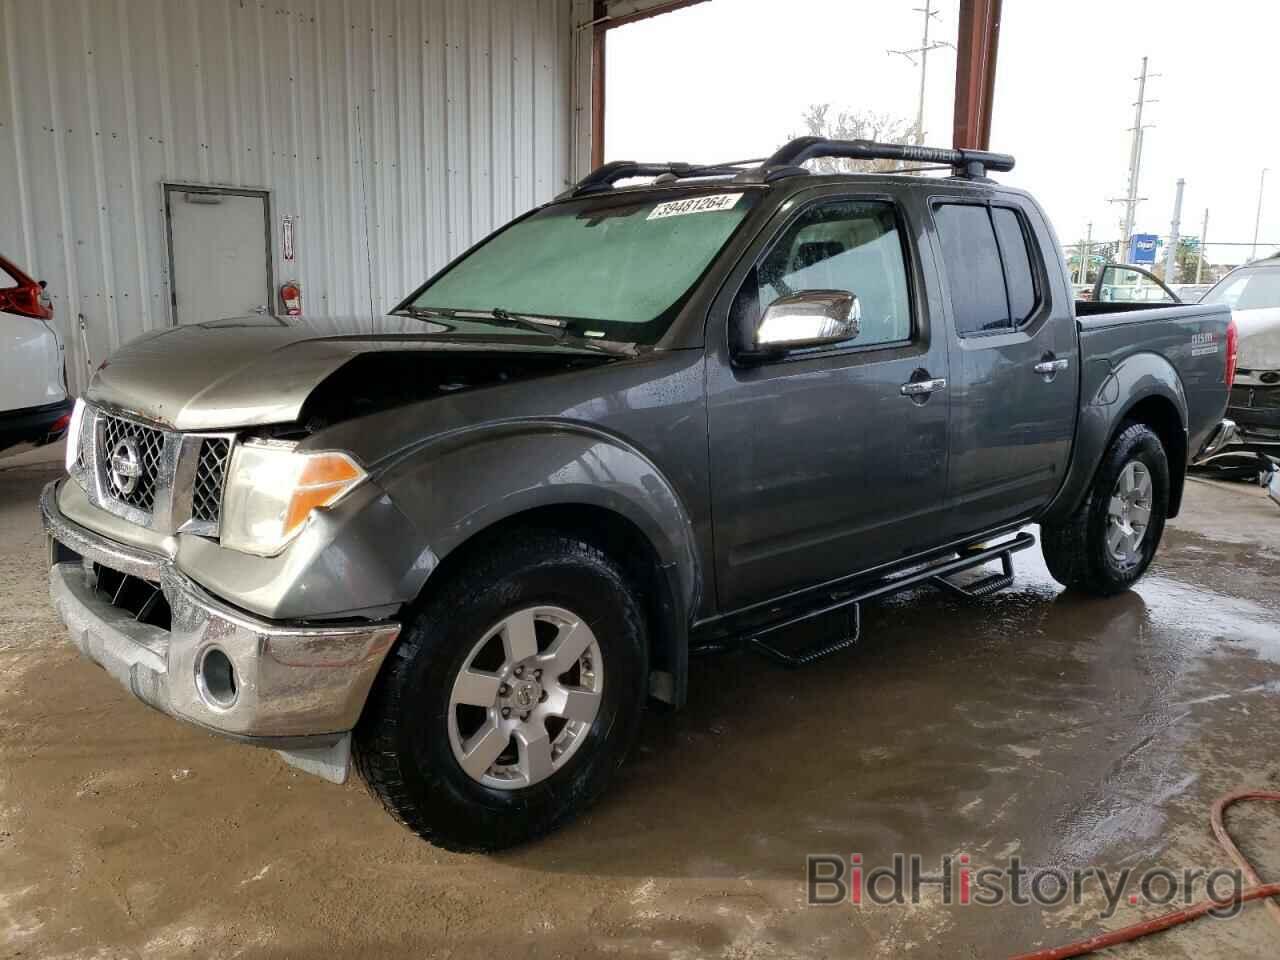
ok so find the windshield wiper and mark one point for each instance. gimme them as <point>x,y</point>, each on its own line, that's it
<point>421,313</point>
<point>537,324</point>
<point>528,321</point>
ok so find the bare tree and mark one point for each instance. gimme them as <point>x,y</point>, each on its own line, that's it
<point>853,125</point>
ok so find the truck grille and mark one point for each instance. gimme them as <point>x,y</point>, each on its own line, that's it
<point>160,479</point>
<point>130,455</point>
<point>206,498</point>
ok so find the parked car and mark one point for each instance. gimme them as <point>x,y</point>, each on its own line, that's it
<point>1190,292</point>
<point>1126,283</point>
<point>34,406</point>
<point>468,541</point>
<point>1252,292</point>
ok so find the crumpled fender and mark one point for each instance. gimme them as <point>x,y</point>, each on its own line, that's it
<point>457,484</point>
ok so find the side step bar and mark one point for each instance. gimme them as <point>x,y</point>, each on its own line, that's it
<point>807,655</point>
<point>934,574</point>
<point>984,587</point>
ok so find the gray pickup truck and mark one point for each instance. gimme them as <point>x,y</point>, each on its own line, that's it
<point>463,545</point>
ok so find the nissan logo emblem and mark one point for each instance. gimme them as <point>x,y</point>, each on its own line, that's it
<point>126,466</point>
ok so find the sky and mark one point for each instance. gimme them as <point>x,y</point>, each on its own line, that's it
<point>730,79</point>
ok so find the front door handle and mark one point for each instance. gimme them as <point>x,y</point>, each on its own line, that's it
<point>1049,367</point>
<point>918,388</point>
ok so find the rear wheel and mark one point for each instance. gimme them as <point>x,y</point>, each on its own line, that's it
<point>1106,545</point>
<point>513,696</point>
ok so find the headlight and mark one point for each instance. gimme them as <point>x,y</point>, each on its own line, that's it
<point>272,490</point>
<point>73,434</point>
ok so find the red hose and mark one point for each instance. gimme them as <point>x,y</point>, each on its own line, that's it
<point>1220,831</point>
<point>1256,891</point>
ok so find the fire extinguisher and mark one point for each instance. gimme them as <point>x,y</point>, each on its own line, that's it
<point>291,299</point>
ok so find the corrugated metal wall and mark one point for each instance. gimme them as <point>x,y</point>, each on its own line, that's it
<point>396,132</point>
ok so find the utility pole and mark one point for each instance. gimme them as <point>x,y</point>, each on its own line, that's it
<point>1204,238</point>
<point>922,52</point>
<point>1171,255</point>
<point>1131,199</point>
<point>1257,221</point>
<point>1086,248</point>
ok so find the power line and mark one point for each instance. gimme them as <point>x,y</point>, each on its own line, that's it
<point>1131,198</point>
<point>1171,255</point>
<point>1257,222</point>
<point>1204,242</point>
<point>922,52</point>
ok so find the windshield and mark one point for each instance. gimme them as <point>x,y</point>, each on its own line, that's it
<point>611,267</point>
<point>1253,288</point>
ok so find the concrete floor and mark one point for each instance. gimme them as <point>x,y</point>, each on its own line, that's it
<point>1066,731</point>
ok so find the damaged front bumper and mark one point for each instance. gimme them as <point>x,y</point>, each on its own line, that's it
<point>296,688</point>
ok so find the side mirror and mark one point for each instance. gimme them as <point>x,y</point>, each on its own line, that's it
<point>810,318</point>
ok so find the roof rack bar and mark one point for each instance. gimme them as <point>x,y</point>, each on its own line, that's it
<point>602,178</point>
<point>973,163</point>
<point>786,162</point>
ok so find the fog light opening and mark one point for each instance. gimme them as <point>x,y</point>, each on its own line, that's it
<point>216,678</point>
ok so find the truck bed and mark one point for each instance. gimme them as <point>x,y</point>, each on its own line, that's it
<point>1186,343</point>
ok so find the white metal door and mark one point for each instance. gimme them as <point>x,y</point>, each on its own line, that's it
<point>220,255</point>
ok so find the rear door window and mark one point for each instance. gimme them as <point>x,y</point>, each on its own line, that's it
<point>1018,272</point>
<point>989,266</point>
<point>978,298</point>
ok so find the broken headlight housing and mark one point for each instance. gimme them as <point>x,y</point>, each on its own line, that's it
<point>273,490</point>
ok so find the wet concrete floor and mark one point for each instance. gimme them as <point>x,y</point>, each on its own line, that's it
<point>1067,732</point>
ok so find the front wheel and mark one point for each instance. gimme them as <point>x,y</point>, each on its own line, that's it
<point>515,693</point>
<point>1106,545</point>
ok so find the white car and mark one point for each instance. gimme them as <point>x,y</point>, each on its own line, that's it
<point>1253,293</point>
<point>34,406</point>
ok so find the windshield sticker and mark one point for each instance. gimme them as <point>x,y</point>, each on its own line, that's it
<point>678,208</point>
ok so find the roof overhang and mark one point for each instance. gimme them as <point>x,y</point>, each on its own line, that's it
<point>617,13</point>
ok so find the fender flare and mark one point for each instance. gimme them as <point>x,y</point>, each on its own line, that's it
<point>1111,393</point>
<point>457,485</point>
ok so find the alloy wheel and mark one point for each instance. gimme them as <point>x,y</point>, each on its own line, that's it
<point>526,697</point>
<point>1129,514</point>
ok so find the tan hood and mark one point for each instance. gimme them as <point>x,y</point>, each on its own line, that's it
<point>260,370</point>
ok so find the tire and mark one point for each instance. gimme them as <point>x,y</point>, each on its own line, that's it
<point>406,744</point>
<point>1077,551</point>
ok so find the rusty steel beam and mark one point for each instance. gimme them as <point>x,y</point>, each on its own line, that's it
<point>976,47</point>
<point>657,10</point>
<point>597,85</point>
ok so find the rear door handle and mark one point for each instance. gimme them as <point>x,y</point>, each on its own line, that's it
<point>1047,367</point>
<point>918,388</point>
